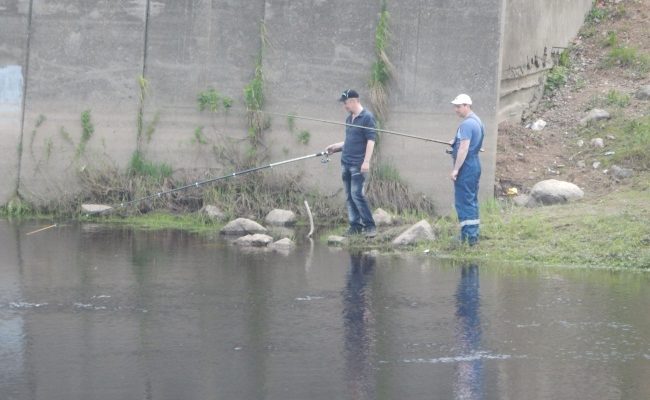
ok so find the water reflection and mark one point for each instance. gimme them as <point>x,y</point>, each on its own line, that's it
<point>359,327</point>
<point>103,313</point>
<point>469,370</point>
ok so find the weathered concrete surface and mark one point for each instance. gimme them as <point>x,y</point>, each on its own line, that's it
<point>533,32</point>
<point>84,55</point>
<point>194,46</point>
<point>87,55</point>
<point>442,50</point>
<point>14,22</point>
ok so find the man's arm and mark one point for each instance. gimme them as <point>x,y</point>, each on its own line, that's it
<point>463,149</point>
<point>370,146</point>
<point>334,148</point>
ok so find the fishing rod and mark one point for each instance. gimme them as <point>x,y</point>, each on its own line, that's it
<point>355,126</point>
<point>99,209</point>
<point>361,126</point>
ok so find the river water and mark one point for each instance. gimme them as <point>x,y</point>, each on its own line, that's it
<point>97,312</point>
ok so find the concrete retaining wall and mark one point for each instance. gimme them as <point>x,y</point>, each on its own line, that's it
<point>69,56</point>
<point>534,34</point>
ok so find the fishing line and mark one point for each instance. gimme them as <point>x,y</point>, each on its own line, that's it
<point>355,126</point>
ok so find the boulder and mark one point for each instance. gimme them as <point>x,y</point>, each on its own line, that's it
<point>94,208</point>
<point>256,240</point>
<point>382,218</point>
<point>336,240</point>
<point>595,115</point>
<point>598,142</point>
<point>643,93</point>
<point>416,233</point>
<point>552,191</point>
<point>621,173</point>
<point>521,200</point>
<point>242,226</point>
<point>284,245</point>
<point>213,212</point>
<point>280,217</point>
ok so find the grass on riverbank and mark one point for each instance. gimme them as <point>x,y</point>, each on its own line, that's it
<point>607,232</point>
<point>611,231</point>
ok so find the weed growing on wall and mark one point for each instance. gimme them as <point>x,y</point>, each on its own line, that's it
<point>254,101</point>
<point>144,130</point>
<point>199,136</point>
<point>212,100</point>
<point>382,69</point>
<point>87,130</point>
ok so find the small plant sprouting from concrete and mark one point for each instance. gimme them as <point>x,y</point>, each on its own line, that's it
<point>49,145</point>
<point>212,100</point>
<point>40,120</point>
<point>382,69</point>
<point>144,130</point>
<point>254,101</point>
<point>65,135</point>
<point>87,130</point>
<point>303,137</point>
<point>199,137</point>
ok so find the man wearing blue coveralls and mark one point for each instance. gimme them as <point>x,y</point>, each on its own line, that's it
<point>466,146</point>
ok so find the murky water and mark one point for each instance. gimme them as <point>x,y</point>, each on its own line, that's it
<point>90,312</point>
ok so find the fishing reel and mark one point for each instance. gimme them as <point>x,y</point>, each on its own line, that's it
<point>326,158</point>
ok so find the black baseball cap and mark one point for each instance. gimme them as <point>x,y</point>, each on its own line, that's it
<point>349,94</point>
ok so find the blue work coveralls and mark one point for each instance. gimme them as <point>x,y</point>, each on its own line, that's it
<point>466,184</point>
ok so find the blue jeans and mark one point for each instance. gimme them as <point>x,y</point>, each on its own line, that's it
<point>359,213</point>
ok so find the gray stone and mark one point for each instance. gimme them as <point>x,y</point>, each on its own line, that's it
<point>213,212</point>
<point>382,218</point>
<point>596,165</point>
<point>580,143</point>
<point>336,240</point>
<point>419,232</point>
<point>280,217</point>
<point>581,164</point>
<point>242,226</point>
<point>281,231</point>
<point>521,200</point>
<point>256,240</point>
<point>597,142</point>
<point>621,173</point>
<point>94,208</point>
<point>552,191</point>
<point>284,245</point>
<point>595,115</point>
<point>643,93</point>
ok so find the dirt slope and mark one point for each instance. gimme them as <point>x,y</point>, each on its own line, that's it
<point>525,157</point>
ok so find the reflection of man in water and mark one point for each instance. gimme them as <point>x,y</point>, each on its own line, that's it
<point>469,373</point>
<point>358,324</point>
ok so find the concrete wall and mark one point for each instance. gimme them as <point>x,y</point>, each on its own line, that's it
<point>534,32</point>
<point>14,22</point>
<point>77,55</point>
